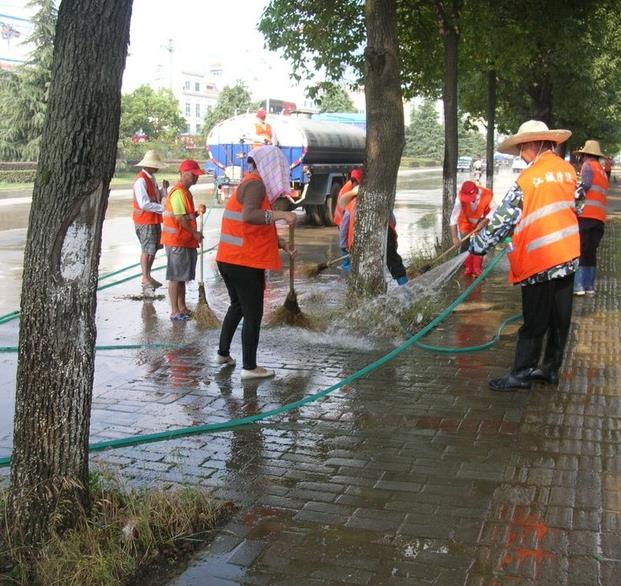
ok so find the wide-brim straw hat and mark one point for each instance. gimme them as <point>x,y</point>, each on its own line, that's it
<point>152,160</point>
<point>591,147</point>
<point>531,131</point>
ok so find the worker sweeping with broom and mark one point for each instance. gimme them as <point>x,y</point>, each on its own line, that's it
<point>248,246</point>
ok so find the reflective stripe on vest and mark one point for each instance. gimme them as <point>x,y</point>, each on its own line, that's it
<point>543,212</point>
<point>244,244</point>
<point>547,233</point>
<point>550,238</point>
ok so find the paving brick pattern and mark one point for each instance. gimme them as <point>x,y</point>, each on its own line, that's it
<point>416,474</point>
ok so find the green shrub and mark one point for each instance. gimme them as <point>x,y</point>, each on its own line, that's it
<point>18,176</point>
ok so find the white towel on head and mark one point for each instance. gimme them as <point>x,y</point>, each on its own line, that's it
<point>273,167</point>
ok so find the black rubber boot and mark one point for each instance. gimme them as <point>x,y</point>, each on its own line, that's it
<point>543,374</point>
<point>511,382</point>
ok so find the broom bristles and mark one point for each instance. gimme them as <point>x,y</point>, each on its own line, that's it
<point>312,271</point>
<point>284,317</point>
<point>203,314</point>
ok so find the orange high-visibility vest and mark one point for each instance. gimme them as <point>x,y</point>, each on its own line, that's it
<point>547,234</point>
<point>351,208</point>
<point>248,245</point>
<point>173,234</point>
<point>264,131</point>
<point>338,212</point>
<point>141,216</point>
<point>468,217</point>
<point>595,200</point>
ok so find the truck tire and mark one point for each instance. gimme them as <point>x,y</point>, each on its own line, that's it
<point>330,205</point>
<point>314,215</point>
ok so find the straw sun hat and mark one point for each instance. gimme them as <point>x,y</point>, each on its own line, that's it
<point>591,147</point>
<point>151,160</point>
<point>531,131</point>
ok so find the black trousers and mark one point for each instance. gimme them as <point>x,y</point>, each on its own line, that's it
<point>546,308</point>
<point>394,262</point>
<point>591,232</point>
<point>246,287</point>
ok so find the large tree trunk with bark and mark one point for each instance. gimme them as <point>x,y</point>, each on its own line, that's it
<point>49,468</point>
<point>384,145</point>
<point>450,38</point>
<point>542,98</point>
<point>491,125</point>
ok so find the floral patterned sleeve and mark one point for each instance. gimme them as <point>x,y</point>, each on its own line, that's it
<point>501,224</point>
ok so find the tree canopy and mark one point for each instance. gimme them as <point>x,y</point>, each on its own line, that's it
<point>24,92</point>
<point>156,112</point>
<point>233,100</point>
<point>334,98</point>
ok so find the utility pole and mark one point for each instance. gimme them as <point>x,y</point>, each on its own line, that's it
<point>171,49</point>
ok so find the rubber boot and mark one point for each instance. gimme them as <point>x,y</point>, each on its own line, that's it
<point>579,282</point>
<point>527,353</point>
<point>468,265</point>
<point>588,280</point>
<point>477,265</point>
<point>552,358</point>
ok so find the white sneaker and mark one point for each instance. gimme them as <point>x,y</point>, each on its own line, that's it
<point>579,293</point>
<point>258,372</point>
<point>225,360</point>
<point>590,292</point>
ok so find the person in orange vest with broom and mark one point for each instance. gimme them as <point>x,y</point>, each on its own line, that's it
<point>472,205</point>
<point>248,247</point>
<point>346,194</point>
<point>181,238</point>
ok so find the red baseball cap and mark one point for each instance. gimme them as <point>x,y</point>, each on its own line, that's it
<point>192,166</point>
<point>468,192</point>
<point>356,175</point>
<point>261,114</point>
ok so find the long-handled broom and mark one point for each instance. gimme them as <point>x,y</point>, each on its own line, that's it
<point>290,313</point>
<point>312,271</point>
<point>426,267</point>
<point>203,314</point>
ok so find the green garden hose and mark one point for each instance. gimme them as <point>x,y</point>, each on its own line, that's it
<point>234,423</point>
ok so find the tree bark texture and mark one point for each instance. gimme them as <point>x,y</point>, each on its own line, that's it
<point>542,97</point>
<point>49,468</point>
<point>384,145</point>
<point>450,39</point>
<point>491,125</point>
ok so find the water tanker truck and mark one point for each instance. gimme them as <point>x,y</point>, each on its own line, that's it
<point>321,154</point>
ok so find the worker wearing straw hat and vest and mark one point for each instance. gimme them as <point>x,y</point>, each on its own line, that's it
<point>181,238</point>
<point>591,221</point>
<point>147,214</point>
<point>248,247</point>
<point>472,205</point>
<point>539,214</point>
<point>262,130</point>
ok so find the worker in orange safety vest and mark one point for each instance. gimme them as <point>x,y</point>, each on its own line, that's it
<point>539,214</point>
<point>472,205</point>
<point>593,217</point>
<point>262,130</point>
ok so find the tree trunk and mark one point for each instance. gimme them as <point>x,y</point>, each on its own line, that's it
<point>384,145</point>
<point>541,95</point>
<point>49,468</point>
<point>450,38</point>
<point>491,125</point>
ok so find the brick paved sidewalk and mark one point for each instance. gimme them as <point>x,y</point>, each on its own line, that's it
<point>415,474</point>
<point>421,474</point>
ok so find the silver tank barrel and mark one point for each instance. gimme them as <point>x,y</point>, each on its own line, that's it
<point>331,142</point>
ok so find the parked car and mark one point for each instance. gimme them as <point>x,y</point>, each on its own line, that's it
<point>464,164</point>
<point>518,165</point>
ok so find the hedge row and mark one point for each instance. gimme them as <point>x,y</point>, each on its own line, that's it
<point>18,176</point>
<point>17,165</point>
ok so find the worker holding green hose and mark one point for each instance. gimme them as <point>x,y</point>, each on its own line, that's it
<point>539,213</point>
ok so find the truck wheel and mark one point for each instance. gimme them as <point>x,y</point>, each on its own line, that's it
<point>330,205</point>
<point>314,215</point>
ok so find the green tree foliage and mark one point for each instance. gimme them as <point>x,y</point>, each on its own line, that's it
<point>23,93</point>
<point>425,136</point>
<point>233,100</point>
<point>156,112</point>
<point>334,98</point>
